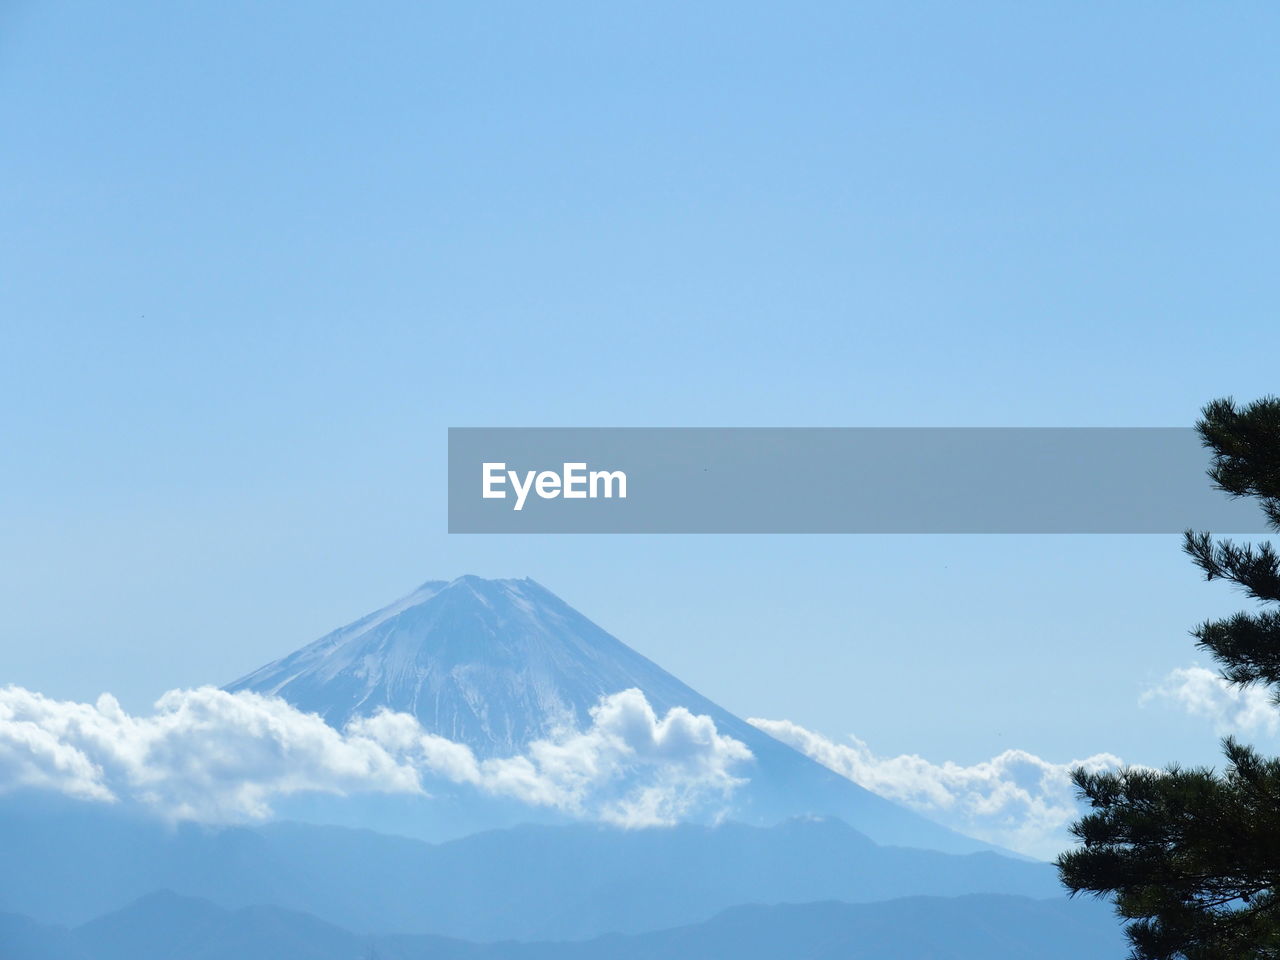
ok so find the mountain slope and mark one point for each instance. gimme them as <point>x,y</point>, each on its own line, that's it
<point>496,664</point>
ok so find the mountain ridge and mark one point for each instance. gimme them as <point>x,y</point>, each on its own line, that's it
<point>165,926</point>
<point>533,882</point>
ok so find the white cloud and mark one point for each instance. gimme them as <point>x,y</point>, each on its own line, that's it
<point>1231,708</point>
<point>1016,799</point>
<point>628,767</point>
<point>204,754</point>
<point>209,755</point>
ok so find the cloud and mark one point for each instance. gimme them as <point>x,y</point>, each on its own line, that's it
<point>203,755</point>
<point>214,756</point>
<point>1231,708</point>
<point>1016,799</point>
<point>628,767</point>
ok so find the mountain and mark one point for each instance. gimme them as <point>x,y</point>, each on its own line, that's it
<point>493,664</point>
<point>163,926</point>
<point>496,664</point>
<point>80,860</point>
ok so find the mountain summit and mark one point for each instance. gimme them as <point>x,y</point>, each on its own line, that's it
<point>496,664</point>
<point>493,664</point>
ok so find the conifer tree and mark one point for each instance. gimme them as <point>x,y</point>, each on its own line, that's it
<point>1191,857</point>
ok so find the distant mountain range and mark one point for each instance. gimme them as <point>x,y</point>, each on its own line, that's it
<point>496,664</point>
<point>532,883</point>
<point>164,926</point>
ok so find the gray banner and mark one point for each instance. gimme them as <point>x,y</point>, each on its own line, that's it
<point>836,480</point>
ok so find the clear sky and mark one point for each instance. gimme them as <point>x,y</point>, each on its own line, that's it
<point>258,257</point>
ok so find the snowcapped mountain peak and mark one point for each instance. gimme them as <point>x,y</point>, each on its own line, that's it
<point>491,663</point>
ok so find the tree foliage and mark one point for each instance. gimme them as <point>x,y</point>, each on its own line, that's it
<point>1191,857</point>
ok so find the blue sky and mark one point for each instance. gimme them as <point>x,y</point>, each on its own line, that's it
<point>257,258</point>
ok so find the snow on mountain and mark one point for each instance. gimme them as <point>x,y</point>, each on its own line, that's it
<point>493,664</point>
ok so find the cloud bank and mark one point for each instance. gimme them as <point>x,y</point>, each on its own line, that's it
<point>1016,799</point>
<point>213,756</point>
<point>1230,708</point>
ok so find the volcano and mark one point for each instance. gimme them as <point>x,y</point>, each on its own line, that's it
<point>496,664</point>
